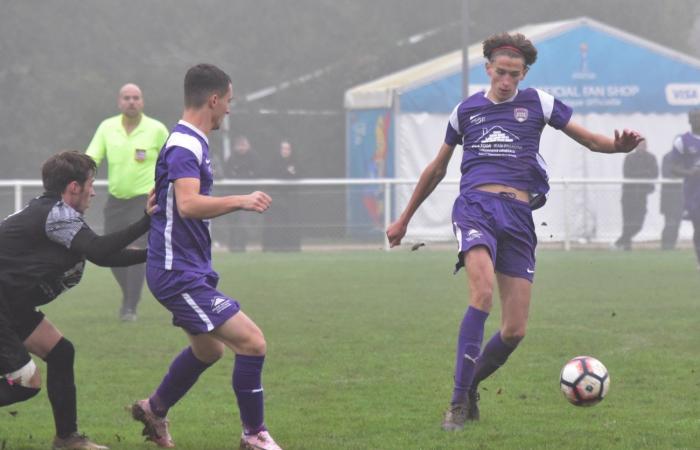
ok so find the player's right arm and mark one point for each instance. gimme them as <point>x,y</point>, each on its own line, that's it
<point>97,148</point>
<point>429,179</point>
<point>192,205</point>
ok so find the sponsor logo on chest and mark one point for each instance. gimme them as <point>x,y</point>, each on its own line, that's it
<point>476,119</point>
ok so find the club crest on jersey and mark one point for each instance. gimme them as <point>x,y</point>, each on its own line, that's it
<point>520,114</point>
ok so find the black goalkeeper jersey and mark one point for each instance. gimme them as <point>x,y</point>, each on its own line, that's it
<point>35,255</point>
<point>44,246</point>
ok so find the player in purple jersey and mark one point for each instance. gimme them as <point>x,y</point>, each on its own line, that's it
<point>503,179</point>
<point>179,271</point>
<point>686,164</point>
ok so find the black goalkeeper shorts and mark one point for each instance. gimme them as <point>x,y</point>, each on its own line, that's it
<point>16,324</point>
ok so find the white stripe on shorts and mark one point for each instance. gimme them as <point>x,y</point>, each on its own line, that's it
<point>190,301</point>
<point>458,235</point>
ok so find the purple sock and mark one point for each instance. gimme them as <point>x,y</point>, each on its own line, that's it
<point>471,333</point>
<point>247,384</point>
<point>495,354</point>
<point>184,372</point>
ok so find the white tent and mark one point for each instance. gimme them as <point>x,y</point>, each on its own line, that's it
<point>611,78</point>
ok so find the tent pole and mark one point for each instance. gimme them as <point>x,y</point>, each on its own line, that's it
<point>465,48</point>
<point>388,188</point>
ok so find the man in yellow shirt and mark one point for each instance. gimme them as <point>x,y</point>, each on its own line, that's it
<point>130,142</point>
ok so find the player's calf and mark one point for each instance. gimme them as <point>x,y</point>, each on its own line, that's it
<point>473,405</point>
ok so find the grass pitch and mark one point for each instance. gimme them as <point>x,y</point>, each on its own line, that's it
<point>361,355</point>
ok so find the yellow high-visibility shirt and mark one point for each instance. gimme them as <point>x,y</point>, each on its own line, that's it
<point>131,159</point>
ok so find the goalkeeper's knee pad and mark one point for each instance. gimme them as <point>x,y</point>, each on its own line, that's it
<point>15,387</point>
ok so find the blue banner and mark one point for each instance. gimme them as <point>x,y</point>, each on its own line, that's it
<point>591,70</point>
<point>370,147</point>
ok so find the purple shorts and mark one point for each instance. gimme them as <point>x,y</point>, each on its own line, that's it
<point>192,298</point>
<point>503,225</point>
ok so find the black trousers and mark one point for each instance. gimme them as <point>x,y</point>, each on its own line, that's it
<point>119,213</point>
<point>669,235</point>
<point>634,209</point>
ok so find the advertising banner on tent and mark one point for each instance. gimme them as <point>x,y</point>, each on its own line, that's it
<point>576,67</point>
<point>370,136</point>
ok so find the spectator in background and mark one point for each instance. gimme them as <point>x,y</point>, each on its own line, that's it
<point>130,141</point>
<point>281,232</point>
<point>671,203</point>
<point>686,149</point>
<point>243,162</point>
<point>638,164</point>
<point>241,165</point>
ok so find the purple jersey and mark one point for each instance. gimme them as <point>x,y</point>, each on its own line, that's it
<point>501,140</point>
<point>686,151</point>
<point>175,243</point>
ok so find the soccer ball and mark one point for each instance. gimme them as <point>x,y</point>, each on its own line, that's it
<point>584,381</point>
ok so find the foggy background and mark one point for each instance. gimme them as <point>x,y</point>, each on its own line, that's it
<point>63,61</point>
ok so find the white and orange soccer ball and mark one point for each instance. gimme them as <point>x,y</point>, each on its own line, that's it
<point>584,381</point>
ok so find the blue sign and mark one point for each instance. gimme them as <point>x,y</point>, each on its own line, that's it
<point>591,70</point>
<point>370,155</point>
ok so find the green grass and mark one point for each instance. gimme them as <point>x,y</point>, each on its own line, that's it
<point>361,349</point>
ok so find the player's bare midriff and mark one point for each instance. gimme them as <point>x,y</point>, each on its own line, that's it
<point>507,190</point>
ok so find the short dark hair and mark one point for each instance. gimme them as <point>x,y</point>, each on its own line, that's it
<point>203,80</point>
<point>65,167</point>
<point>514,45</point>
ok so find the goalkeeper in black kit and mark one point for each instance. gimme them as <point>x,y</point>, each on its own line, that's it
<point>43,249</point>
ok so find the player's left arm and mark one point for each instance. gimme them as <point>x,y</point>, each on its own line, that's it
<point>623,142</point>
<point>679,170</point>
<point>109,250</point>
<point>193,205</point>
<point>122,258</point>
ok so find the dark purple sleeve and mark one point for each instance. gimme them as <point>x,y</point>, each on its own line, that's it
<point>561,114</point>
<point>182,163</point>
<point>452,137</point>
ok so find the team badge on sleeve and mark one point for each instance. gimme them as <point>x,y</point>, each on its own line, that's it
<point>520,114</point>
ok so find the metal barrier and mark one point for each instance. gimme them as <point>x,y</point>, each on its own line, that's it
<point>388,184</point>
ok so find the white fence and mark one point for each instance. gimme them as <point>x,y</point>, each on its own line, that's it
<point>580,211</point>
